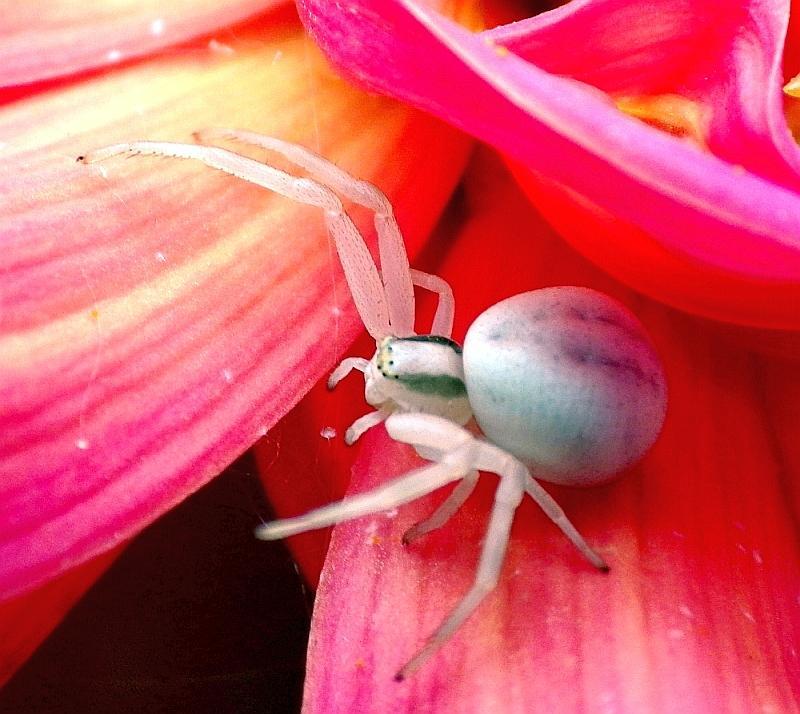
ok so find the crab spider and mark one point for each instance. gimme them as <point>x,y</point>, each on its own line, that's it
<point>562,381</point>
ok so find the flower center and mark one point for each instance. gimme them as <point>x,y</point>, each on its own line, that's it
<point>792,89</point>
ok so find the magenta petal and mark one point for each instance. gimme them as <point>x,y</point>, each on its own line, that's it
<point>159,317</point>
<point>740,222</point>
<point>44,39</point>
<point>726,61</point>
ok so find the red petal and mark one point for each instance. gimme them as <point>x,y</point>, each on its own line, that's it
<point>304,462</point>
<point>43,39</point>
<point>158,318</point>
<point>700,605</point>
<point>681,208</point>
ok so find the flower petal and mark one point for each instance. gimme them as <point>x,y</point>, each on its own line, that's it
<point>44,39</point>
<point>735,224</point>
<point>157,317</point>
<point>700,604</point>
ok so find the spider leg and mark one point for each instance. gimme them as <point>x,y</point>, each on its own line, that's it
<point>403,489</point>
<point>359,268</point>
<point>395,269</point>
<point>443,319</point>
<point>556,514</point>
<point>507,497</point>
<point>363,424</point>
<point>445,511</point>
<point>346,366</point>
<point>438,435</point>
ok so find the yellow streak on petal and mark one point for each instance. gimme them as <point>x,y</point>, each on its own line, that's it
<point>670,113</point>
<point>276,83</point>
<point>68,336</point>
<point>178,284</point>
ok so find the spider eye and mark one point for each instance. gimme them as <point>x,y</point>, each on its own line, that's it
<point>423,374</point>
<point>425,364</point>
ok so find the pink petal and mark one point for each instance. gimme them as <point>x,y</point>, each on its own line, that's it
<point>700,605</point>
<point>44,39</point>
<point>158,318</point>
<point>729,222</point>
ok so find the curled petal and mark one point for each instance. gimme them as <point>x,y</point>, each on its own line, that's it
<point>732,216</point>
<point>700,604</point>
<point>727,64</point>
<point>157,317</point>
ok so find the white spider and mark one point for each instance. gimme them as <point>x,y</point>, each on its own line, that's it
<point>562,380</point>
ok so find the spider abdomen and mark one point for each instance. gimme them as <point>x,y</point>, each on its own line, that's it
<point>566,379</point>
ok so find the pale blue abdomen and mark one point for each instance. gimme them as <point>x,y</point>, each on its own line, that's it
<point>565,379</point>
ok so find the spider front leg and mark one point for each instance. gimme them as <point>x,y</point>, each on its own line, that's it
<point>415,484</point>
<point>362,275</point>
<point>397,277</point>
<point>383,297</point>
<point>394,266</point>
